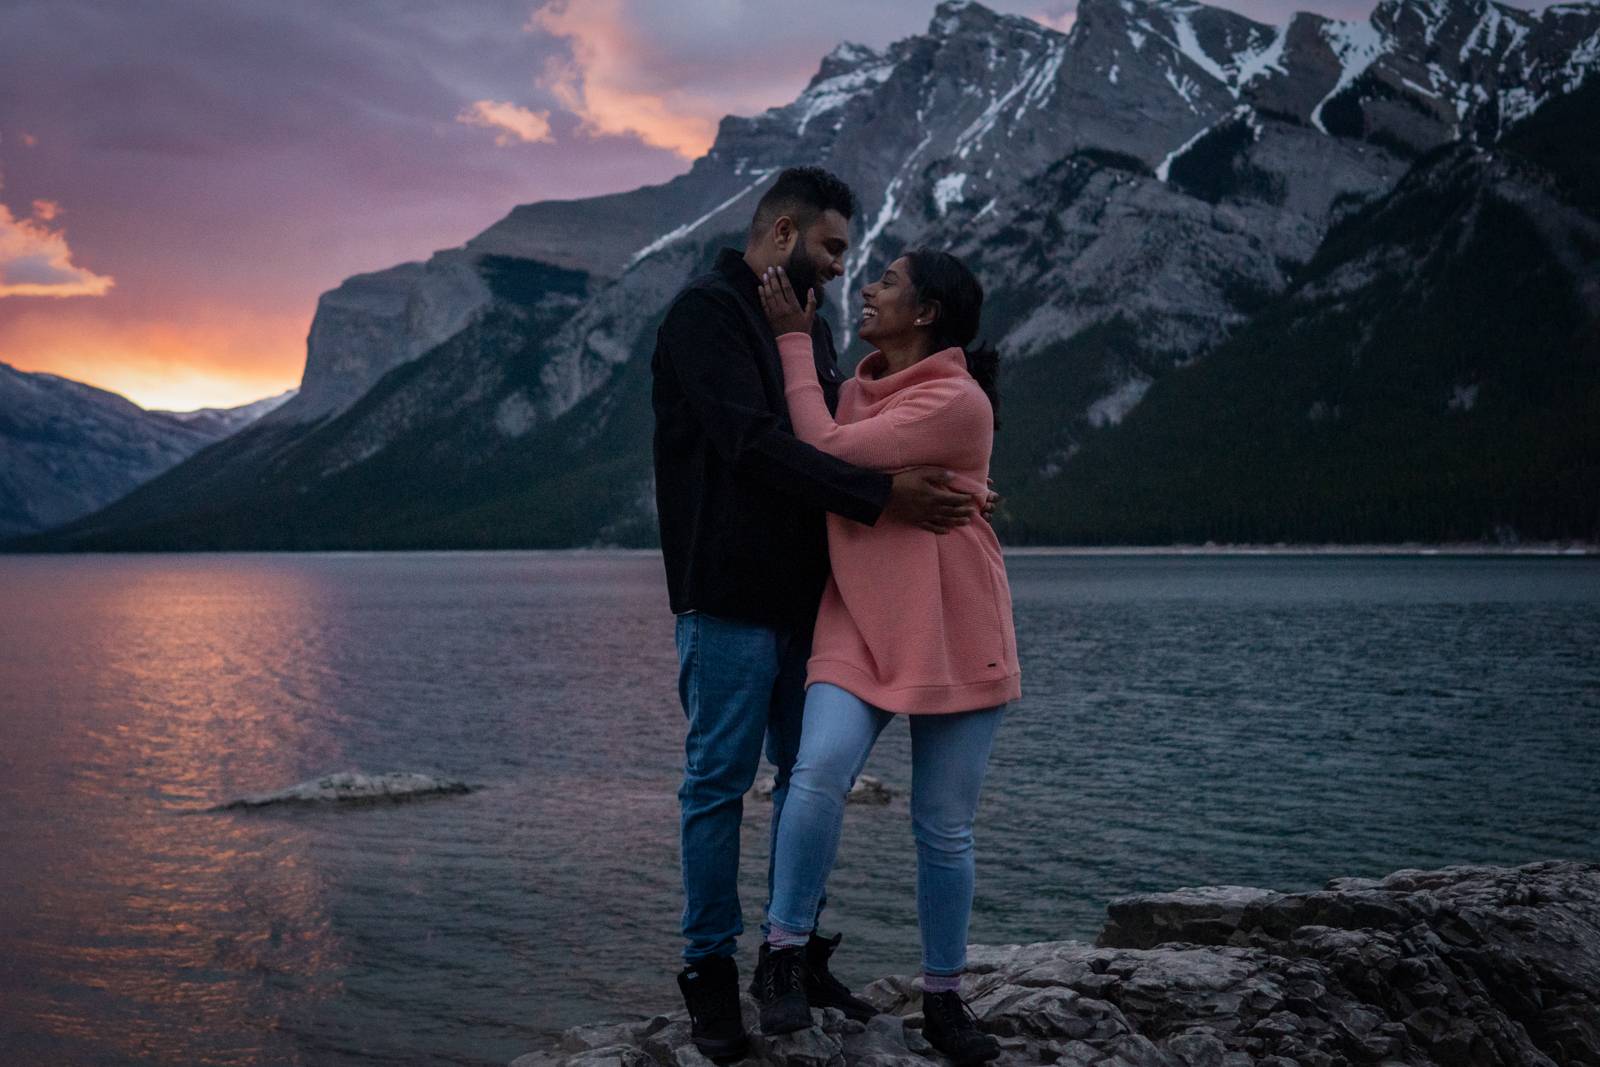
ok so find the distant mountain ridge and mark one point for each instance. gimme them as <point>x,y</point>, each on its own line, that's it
<point>68,449</point>
<point>222,421</point>
<point>1133,194</point>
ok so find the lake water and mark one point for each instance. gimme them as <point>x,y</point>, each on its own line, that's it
<point>1270,721</point>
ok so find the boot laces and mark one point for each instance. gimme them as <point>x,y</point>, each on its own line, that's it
<point>785,971</point>
<point>954,1013</point>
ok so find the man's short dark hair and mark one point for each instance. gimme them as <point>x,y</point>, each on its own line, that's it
<point>802,193</point>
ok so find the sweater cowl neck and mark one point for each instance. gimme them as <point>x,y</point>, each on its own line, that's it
<point>946,363</point>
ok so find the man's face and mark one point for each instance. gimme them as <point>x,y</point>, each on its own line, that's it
<point>818,255</point>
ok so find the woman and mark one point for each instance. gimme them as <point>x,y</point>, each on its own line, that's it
<point>911,622</point>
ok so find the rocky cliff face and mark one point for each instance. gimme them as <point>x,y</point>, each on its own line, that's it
<point>949,137</point>
<point>1459,967</point>
<point>1132,193</point>
<point>376,322</point>
<point>1431,375</point>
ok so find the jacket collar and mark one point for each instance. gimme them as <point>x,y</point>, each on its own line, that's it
<point>731,265</point>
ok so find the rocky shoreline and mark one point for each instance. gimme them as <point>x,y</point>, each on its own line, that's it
<point>1457,967</point>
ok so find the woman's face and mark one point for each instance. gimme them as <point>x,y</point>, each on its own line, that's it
<point>889,306</point>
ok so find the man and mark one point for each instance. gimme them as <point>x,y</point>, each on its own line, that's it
<point>741,504</point>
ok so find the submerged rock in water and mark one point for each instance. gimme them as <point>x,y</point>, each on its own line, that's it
<point>1457,967</point>
<point>352,787</point>
<point>867,790</point>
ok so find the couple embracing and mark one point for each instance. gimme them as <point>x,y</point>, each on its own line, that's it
<point>830,566</point>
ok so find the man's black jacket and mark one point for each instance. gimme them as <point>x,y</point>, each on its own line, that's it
<point>740,498</point>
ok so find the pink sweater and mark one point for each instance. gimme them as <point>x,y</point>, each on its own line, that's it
<point>910,621</point>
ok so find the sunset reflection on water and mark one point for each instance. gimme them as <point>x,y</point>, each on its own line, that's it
<point>187,684</point>
<point>1270,722</point>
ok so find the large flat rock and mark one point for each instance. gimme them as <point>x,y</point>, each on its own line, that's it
<point>1458,967</point>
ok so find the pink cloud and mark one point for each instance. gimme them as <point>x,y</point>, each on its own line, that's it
<point>35,259</point>
<point>609,85</point>
<point>666,75</point>
<point>515,124</point>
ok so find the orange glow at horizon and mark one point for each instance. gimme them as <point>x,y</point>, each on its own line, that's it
<point>219,360</point>
<point>79,299</point>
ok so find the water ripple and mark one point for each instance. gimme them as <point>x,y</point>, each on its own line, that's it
<point>1186,721</point>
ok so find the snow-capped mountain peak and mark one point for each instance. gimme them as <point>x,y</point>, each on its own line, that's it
<point>1131,194</point>
<point>846,73</point>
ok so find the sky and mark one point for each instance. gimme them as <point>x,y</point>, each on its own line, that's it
<point>181,179</point>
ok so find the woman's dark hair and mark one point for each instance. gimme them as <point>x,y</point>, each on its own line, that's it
<point>939,276</point>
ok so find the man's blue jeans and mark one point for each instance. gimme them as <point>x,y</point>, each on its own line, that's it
<point>949,754</point>
<point>739,682</point>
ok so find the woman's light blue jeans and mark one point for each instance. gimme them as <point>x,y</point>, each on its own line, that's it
<point>949,754</point>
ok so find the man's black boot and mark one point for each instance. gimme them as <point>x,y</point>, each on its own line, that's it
<point>710,989</point>
<point>823,990</point>
<point>950,1027</point>
<point>779,984</point>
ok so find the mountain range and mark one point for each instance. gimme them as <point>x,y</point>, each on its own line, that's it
<point>1321,281</point>
<point>68,449</point>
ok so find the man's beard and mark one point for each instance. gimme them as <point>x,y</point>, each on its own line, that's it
<point>803,276</point>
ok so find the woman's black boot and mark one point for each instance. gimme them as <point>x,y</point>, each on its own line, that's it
<point>823,990</point>
<point>950,1027</point>
<point>779,984</point>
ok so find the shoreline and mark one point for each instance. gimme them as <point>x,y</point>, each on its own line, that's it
<point>1468,548</point>
<point>1426,967</point>
<point>1406,549</point>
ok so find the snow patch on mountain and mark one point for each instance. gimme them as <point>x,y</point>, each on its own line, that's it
<point>1112,408</point>
<point>1043,83</point>
<point>832,94</point>
<point>947,191</point>
<point>1487,30</point>
<point>689,227</point>
<point>1580,64</point>
<point>985,122</point>
<point>1189,44</point>
<point>1242,111</point>
<point>887,213</point>
<point>1252,64</point>
<point>948,19</point>
<point>1185,87</point>
<point>224,421</point>
<point>1357,44</point>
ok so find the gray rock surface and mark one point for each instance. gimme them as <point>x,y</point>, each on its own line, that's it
<point>867,790</point>
<point>352,787</point>
<point>1458,967</point>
